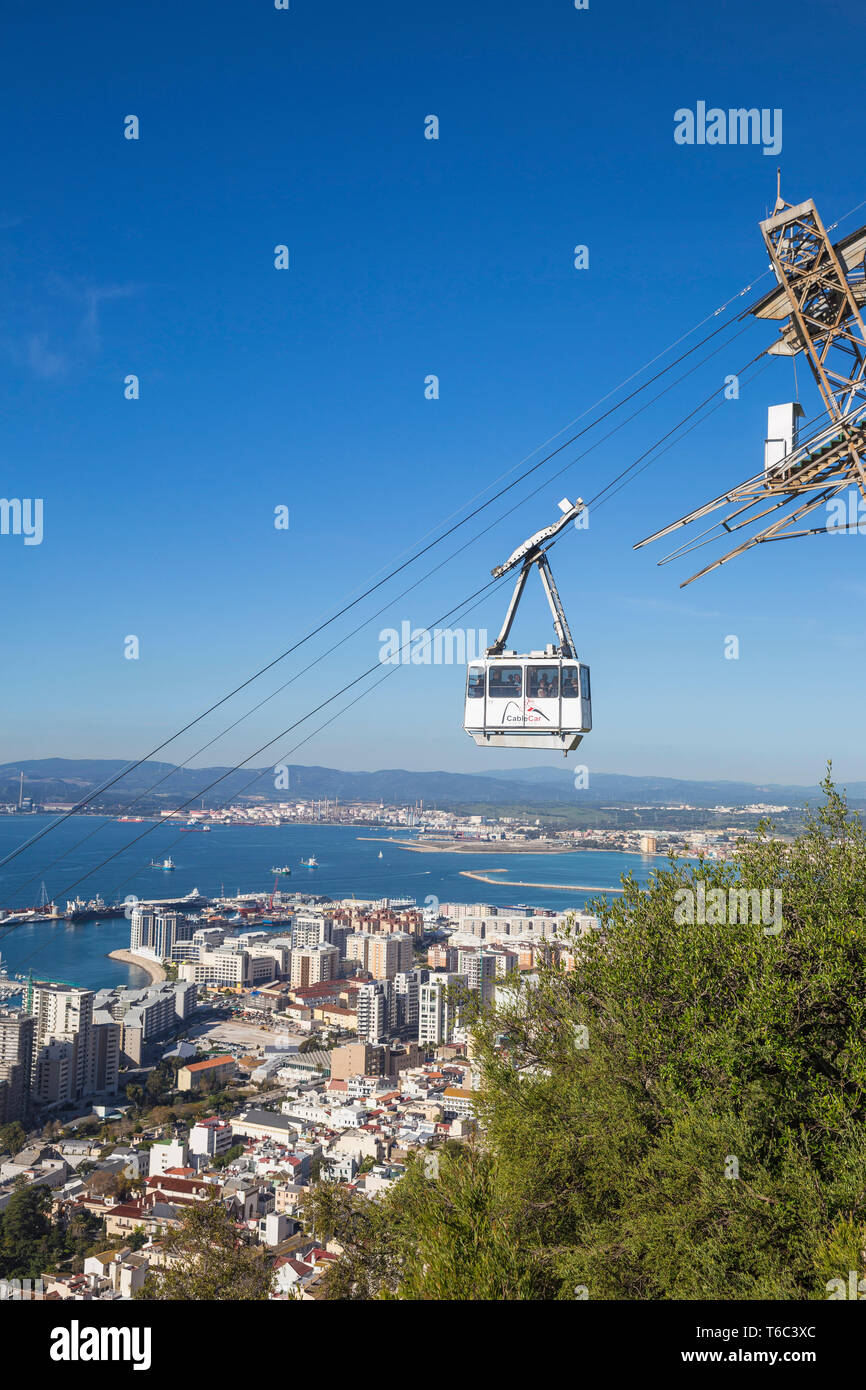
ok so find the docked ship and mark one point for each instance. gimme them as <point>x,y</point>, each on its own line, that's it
<point>89,909</point>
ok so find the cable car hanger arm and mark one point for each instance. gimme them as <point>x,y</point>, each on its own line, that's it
<point>532,547</point>
<point>534,552</point>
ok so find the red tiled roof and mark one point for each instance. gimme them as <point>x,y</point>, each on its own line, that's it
<point>211,1062</point>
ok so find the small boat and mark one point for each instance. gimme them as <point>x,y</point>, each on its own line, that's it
<point>167,864</point>
<point>284,870</point>
<point>380,854</point>
<point>311,863</point>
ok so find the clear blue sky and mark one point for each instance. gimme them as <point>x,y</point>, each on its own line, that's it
<point>306,387</point>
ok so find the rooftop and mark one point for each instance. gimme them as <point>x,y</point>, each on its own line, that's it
<point>211,1062</point>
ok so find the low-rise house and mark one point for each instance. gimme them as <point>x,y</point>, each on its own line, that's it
<point>124,1270</point>
<point>215,1071</point>
<point>291,1275</point>
<point>154,1218</point>
<point>179,1191</point>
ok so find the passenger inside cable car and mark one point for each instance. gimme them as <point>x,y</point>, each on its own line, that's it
<point>506,682</point>
<point>542,682</point>
<point>475,687</point>
<point>570,689</point>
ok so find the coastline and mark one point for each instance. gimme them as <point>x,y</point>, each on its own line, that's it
<point>500,847</point>
<point>153,968</point>
<point>480,846</point>
<point>521,883</point>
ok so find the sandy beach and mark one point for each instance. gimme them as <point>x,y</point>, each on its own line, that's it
<point>522,883</point>
<point>153,968</point>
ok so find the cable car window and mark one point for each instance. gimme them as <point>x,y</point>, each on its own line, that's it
<point>475,685</point>
<point>570,688</point>
<point>584,682</point>
<point>505,682</point>
<point>542,682</point>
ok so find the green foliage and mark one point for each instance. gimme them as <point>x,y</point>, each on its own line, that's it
<point>451,1238</point>
<point>228,1157</point>
<point>13,1137</point>
<point>25,1234</point>
<point>208,1260</point>
<point>680,1116</point>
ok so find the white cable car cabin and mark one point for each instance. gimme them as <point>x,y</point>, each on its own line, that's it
<point>539,699</point>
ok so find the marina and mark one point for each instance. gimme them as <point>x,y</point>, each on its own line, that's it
<point>226,874</point>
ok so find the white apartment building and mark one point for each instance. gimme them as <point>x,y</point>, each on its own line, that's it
<point>62,1014</point>
<point>210,1138</point>
<point>436,1017</point>
<point>234,969</point>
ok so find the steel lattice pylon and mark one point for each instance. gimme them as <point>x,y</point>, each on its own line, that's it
<point>819,293</point>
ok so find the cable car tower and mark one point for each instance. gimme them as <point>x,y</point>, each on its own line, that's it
<point>819,296</point>
<point>540,699</point>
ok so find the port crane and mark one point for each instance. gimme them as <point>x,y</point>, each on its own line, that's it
<point>818,300</point>
<point>538,699</point>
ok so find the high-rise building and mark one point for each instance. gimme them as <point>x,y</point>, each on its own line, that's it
<point>16,1062</point>
<point>388,956</point>
<point>63,1014</point>
<point>358,947</point>
<point>480,969</point>
<point>54,1073</point>
<point>312,965</point>
<point>436,1014</point>
<point>406,991</point>
<point>141,929</point>
<point>376,1012</point>
<point>158,933</point>
<point>309,929</point>
<point>106,1052</point>
<point>442,957</point>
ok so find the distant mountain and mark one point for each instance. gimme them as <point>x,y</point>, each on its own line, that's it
<point>618,787</point>
<point>164,784</point>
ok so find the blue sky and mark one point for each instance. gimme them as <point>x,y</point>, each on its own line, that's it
<point>305,387</point>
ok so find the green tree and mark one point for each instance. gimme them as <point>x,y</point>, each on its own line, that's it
<point>678,1116</point>
<point>25,1234</point>
<point>13,1137</point>
<point>135,1095</point>
<point>209,1260</point>
<point>228,1157</point>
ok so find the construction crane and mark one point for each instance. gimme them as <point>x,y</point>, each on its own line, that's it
<point>819,296</point>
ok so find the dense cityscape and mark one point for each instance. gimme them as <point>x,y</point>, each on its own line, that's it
<point>324,1048</point>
